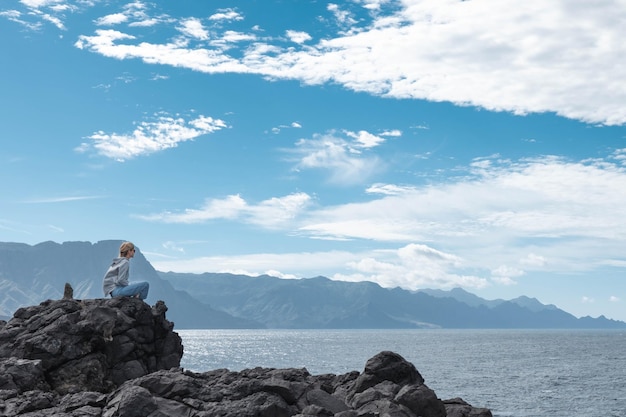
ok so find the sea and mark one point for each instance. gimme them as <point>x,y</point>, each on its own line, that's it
<point>514,373</point>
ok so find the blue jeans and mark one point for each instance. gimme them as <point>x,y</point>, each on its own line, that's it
<point>132,289</point>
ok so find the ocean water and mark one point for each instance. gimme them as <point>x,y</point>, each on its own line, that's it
<point>514,373</point>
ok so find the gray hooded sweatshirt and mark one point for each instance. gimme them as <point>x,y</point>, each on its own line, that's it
<point>116,275</point>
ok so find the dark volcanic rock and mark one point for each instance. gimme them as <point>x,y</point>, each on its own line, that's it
<point>120,358</point>
<point>86,345</point>
<point>456,407</point>
<point>268,392</point>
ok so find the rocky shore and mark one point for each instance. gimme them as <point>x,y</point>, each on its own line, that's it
<point>121,358</point>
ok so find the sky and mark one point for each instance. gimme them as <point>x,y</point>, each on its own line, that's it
<point>418,144</point>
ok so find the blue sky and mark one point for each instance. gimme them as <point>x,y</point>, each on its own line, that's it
<point>420,144</point>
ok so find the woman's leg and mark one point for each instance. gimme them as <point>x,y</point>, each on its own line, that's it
<point>142,289</point>
<point>134,289</point>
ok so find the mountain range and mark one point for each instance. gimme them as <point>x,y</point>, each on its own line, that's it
<point>32,274</point>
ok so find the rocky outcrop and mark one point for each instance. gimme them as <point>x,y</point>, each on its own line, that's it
<point>121,357</point>
<point>93,345</point>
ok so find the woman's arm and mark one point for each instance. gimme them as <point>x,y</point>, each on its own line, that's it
<point>122,274</point>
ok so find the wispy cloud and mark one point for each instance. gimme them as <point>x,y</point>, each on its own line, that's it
<point>50,11</point>
<point>342,154</point>
<point>271,213</point>
<point>293,125</point>
<point>11,226</point>
<point>162,133</point>
<point>587,300</point>
<point>54,200</point>
<point>17,17</point>
<point>56,228</point>
<point>136,15</point>
<point>389,189</point>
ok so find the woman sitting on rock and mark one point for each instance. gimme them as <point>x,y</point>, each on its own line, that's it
<point>115,281</point>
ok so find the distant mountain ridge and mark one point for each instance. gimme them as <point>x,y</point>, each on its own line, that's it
<point>322,303</point>
<point>472,300</point>
<point>32,274</point>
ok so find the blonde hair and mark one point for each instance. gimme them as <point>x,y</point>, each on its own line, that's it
<point>126,247</point>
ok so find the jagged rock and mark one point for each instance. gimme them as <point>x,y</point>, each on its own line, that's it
<point>120,358</point>
<point>68,291</point>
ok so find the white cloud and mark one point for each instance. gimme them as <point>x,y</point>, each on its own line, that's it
<point>151,136</point>
<point>620,155</point>
<point>192,27</point>
<point>11,14</point>
<point>54,20</point>
<point>373,4</point>
<point>175,53</point>
<point>40,3</point>
<point>530,58</point>
<point>293,125</point>
<point>231,36</point>
<point>614,299</point>
<point>51,11</point>
<point>16,17</point>
<point>135,14</point>
<point>389,189</point>
<point>587,300</point>
<point>112,19</point>
<point>364,139</point>
<point>393,133</point>
<point>298,37</point>
<point>106,38</point>
<point>343,17</point>
<point>504,274</point>
<point>226,14</point>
